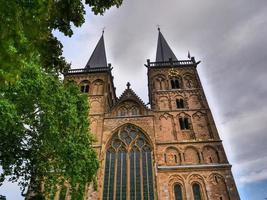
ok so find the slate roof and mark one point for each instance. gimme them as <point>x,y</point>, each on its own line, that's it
<point>98,58</point>
<point>164,52</point>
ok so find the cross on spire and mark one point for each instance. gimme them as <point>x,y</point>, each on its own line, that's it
<point>128,85</point>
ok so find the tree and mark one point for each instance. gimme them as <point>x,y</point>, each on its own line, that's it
<point>47,123</point>
<point>26,32</point>
<point>44,130</point>
<point>2,197</point>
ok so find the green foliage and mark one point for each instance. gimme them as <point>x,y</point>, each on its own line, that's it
<point>26,32</point>
<point>44,133</point>
<point>44,130</point>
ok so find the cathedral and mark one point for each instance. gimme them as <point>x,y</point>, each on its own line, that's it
<point>169,150</point>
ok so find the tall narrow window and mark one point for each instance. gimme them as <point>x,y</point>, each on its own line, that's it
<point>109,175</point>
<point>175,83</point>
<point>178,192</point>
<point>121,186</point>
<point>179,103</point>
<point>196,191</point>
<point>184,123</point>
<point>128,145</point>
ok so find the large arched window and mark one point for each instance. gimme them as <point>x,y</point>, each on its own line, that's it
<point>178,192</point>
<point>128,161</point>
<point>196,191</point>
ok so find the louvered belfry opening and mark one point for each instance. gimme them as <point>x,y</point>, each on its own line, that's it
<point>128,166</point>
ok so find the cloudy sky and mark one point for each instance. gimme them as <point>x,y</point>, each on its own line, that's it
<point>229,37</point>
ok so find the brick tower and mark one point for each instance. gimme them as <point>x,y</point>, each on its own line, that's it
<point>170,150</point>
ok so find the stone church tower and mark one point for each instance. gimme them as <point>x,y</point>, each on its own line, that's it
<point>170,150</point>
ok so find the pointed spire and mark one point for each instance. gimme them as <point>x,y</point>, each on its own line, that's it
<point>164,52</point>
<point>98,57</point>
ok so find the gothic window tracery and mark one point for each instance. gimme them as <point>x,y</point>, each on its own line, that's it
<point>129,109</point>
<point>122,112</point>
<point>134,111</point>
<point>128,161</point>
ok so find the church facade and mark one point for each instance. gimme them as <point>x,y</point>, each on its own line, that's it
<point>170,150</point>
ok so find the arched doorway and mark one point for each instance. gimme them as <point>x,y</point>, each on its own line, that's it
<point>128,166</point>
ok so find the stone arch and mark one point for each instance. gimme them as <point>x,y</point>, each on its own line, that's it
<point>174,180</point>
<point>198,179</point>
<point>166,130</point>
<point>172,156</point>
<point>191,155</point>
<point>218,187</point>
<point>129,146</point>
<point>93,125</point>
<point>210,154</point>
<point>183,114</point>
<point>160,82</point>
<point>201,126</point>
<point>163,103</point>
<point>95,106</point>
<point>98,87</point>
<point>189,80</point>
<point>194,101</point>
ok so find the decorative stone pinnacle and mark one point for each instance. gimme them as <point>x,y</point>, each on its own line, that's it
<point>128,85</point>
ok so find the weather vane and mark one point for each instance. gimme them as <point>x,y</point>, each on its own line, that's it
<point>103,30</point>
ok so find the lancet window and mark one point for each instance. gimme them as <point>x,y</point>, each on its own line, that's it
<point>128,166</point>
<point>196,191</point>
<point>178,192</point>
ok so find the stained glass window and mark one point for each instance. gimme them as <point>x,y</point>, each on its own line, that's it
<point>128,145</point>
